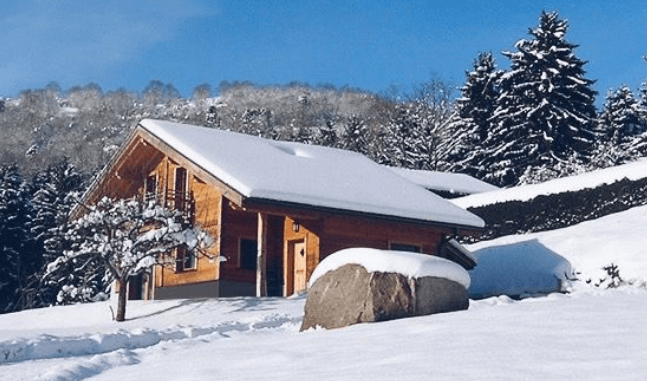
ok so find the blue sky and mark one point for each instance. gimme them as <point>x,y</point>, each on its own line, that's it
<point>368,44</point>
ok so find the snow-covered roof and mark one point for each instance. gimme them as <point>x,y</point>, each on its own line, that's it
<point>306,174</point>
<point>632,171</point>
<point>458,183</point>
<point>411,265</point>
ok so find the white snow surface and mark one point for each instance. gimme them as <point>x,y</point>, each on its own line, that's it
<point>458,183</point>
<point>589,333</point>
<point>587,247</point>
<point>411,265</point>
<point>306,174</point>
<point>632,171</point>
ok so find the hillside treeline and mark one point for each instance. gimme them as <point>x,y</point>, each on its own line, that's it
<point>87,125</point>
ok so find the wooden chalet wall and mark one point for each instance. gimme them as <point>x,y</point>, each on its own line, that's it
<point>341,232</point>
<point>330,233</point>
<point>206,205</point>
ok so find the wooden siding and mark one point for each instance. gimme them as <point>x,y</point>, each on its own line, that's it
<point>342,232</point>
<point>207,203</point>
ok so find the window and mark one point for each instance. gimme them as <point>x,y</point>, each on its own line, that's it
<point>151,187</point>
<point>184,260</point>
<point>405,247</point>
<point>247,254</point>
<point>180,181</point>
<point>180,191</point>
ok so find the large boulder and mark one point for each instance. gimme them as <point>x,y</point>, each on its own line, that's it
<point>368,285</point>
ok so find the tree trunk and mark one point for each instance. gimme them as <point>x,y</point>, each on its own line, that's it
<point>121,301</point>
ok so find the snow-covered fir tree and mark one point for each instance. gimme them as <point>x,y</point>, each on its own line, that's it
<point>620,128</point>
<point>19,259</point>
<point>116,240</point>
<point>410,139</point>
<point>354,135</point>
<point>55,191</point>
<point>474,110</point>
<point>327,135</point>
<point>621,119</point>
<point>545,113</point>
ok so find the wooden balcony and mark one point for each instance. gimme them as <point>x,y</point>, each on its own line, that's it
<point>170,199</point>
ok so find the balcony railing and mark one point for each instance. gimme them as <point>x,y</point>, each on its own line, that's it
<point>182,201</point>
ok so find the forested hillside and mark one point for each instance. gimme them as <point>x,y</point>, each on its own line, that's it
<point>87,125</point>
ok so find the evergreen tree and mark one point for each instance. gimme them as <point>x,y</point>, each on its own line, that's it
<point>354,136</point>
<point>621,120</point>
<point>471,123</point>
<point>55,191</point>
<point>19,259</point>
<point>327,135</point>
<point>621,129</point>
<point>546,110</point>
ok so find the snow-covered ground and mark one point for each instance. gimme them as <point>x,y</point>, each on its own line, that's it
<point>588,334</point>
<point>530,260</point>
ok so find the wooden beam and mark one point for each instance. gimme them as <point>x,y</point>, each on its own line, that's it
<point>250,205</point>
<point>261,278</point>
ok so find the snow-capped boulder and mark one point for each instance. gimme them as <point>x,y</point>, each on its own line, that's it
<point>369,285</point>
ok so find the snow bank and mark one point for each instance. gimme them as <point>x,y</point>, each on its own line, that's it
<point>523,268</point>
<point>617,238</point>
<point>632,171</point>
<point>412,265</point>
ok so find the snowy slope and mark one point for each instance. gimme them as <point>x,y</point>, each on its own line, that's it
<point>617,238</point>
<point>582,336</point>
<point>631,171</point>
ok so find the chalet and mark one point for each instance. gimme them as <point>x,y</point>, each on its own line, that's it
<point>275,209</point>
<point>445,184</point>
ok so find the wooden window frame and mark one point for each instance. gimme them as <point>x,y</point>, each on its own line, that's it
<point>148,191</point>
<point>186,179</point>
<point>180,263</point>
<point>181,200</point>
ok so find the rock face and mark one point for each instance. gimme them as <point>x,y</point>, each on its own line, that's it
<point>350,295</point>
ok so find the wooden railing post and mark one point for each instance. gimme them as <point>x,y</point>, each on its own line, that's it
<point>261,278</point>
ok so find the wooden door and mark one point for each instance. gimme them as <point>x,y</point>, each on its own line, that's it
<point>299,266</point>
